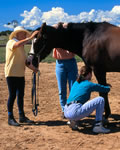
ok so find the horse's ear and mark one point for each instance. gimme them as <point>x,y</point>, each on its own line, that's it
<point>44,24</point>
<point>43,27</point>
<point>41,30</point>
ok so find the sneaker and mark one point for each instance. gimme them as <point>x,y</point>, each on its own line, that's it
<point>98,128</point>
<point>25,120</point>
<point>73,125</point>
<point>13,122</point>
<point>68,122</point>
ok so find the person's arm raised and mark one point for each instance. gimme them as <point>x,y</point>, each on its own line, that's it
<point>24,41</point>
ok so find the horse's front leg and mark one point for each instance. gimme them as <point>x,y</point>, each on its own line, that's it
<point>101,78</point>
<point>107,106</point>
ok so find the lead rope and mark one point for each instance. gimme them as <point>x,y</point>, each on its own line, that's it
<point>35,91</point>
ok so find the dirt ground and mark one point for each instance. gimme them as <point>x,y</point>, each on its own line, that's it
<point>50,132</point>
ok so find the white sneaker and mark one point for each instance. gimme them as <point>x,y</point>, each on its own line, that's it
<point>98,128</point>
<point>72,124</point>
<point>68,122</point>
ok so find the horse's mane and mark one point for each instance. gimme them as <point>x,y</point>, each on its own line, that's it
<point>91,31</point>
<point>91,26</point>
<point>85,28</point>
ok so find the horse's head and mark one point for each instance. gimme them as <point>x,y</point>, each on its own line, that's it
<point>41,45</point>
<point>32,59</point>
<point>49,37</point>
<point>40,42</point>
<point>60,36</point>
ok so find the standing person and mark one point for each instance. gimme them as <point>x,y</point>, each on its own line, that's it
<point>15,71</point>
<point>66,70</point>
<point>78,106</point>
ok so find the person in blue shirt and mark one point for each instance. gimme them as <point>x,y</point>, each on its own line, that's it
<point>78,106</point>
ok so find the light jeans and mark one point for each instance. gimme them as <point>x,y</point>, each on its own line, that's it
<point>66,70</point>
<point>77,111</point>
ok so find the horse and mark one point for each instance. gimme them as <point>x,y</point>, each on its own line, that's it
<point>97,43</point>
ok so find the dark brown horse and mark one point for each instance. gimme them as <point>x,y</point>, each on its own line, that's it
<point>98,44</point>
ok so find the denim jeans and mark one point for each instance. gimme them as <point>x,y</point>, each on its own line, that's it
<point>16,87</point>
<point>66,70</point>
<point>77,111</point>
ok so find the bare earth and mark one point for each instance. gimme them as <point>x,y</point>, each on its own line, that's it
<point>51,132</point>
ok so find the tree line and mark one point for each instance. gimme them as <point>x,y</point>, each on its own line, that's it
<point>8,32</point>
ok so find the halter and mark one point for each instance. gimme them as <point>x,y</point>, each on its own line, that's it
<point>35,87</point>
<point>37,55</point>
<point>35,91</point>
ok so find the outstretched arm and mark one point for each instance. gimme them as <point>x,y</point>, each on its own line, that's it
<point>24,41</point>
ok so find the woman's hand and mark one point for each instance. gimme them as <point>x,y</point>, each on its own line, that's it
<point>33,34</point>
<point>108,85</point>
<point>25,41</point>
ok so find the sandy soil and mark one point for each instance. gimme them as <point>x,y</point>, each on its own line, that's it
<point>51,132</point>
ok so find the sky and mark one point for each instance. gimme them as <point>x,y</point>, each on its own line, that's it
<point>32,13</point>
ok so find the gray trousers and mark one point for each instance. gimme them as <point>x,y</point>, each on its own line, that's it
<point>77,111</point>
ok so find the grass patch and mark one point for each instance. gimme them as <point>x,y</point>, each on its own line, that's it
<point>48,59</point>
<point>2,54</point>
<point>3,49</point>
<point>3,40</point>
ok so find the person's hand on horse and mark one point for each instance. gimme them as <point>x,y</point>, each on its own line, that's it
<point>33,34</point>
<point>109,84</point>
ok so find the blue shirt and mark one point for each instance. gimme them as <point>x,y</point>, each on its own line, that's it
<point>81,91</point>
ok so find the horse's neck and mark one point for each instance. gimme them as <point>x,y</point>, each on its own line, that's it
<point>69,42</point>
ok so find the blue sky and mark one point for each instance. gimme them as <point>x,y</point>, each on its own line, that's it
<point>31,13</point>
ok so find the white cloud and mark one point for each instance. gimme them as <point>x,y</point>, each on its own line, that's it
<point>116,10</point>
<point>8,26</point>
<point>35,17</point>
<point>32,18</point>
<point>55,15</point>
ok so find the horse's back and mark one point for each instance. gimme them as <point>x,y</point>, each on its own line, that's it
<point>103,47</point>
<point>113,43</point>
<point>113,48</point>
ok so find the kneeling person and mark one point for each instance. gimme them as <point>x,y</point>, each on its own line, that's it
<point>78,106</point>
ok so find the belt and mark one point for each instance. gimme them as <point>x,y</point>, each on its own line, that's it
<point>73,102</point>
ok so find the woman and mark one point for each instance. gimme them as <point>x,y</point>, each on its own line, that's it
<point>66,70</point>
<point>15,71</point>
<point>78,106</point>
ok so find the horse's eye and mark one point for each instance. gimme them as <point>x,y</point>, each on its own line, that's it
<point>45,36</point>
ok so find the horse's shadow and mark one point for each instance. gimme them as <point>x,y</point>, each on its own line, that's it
<point>46,123</point>
<point>50,123</point>
<point>85,125</point>
<point>115,117</point>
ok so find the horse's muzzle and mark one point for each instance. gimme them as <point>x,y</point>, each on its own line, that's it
<point>29,63</point>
